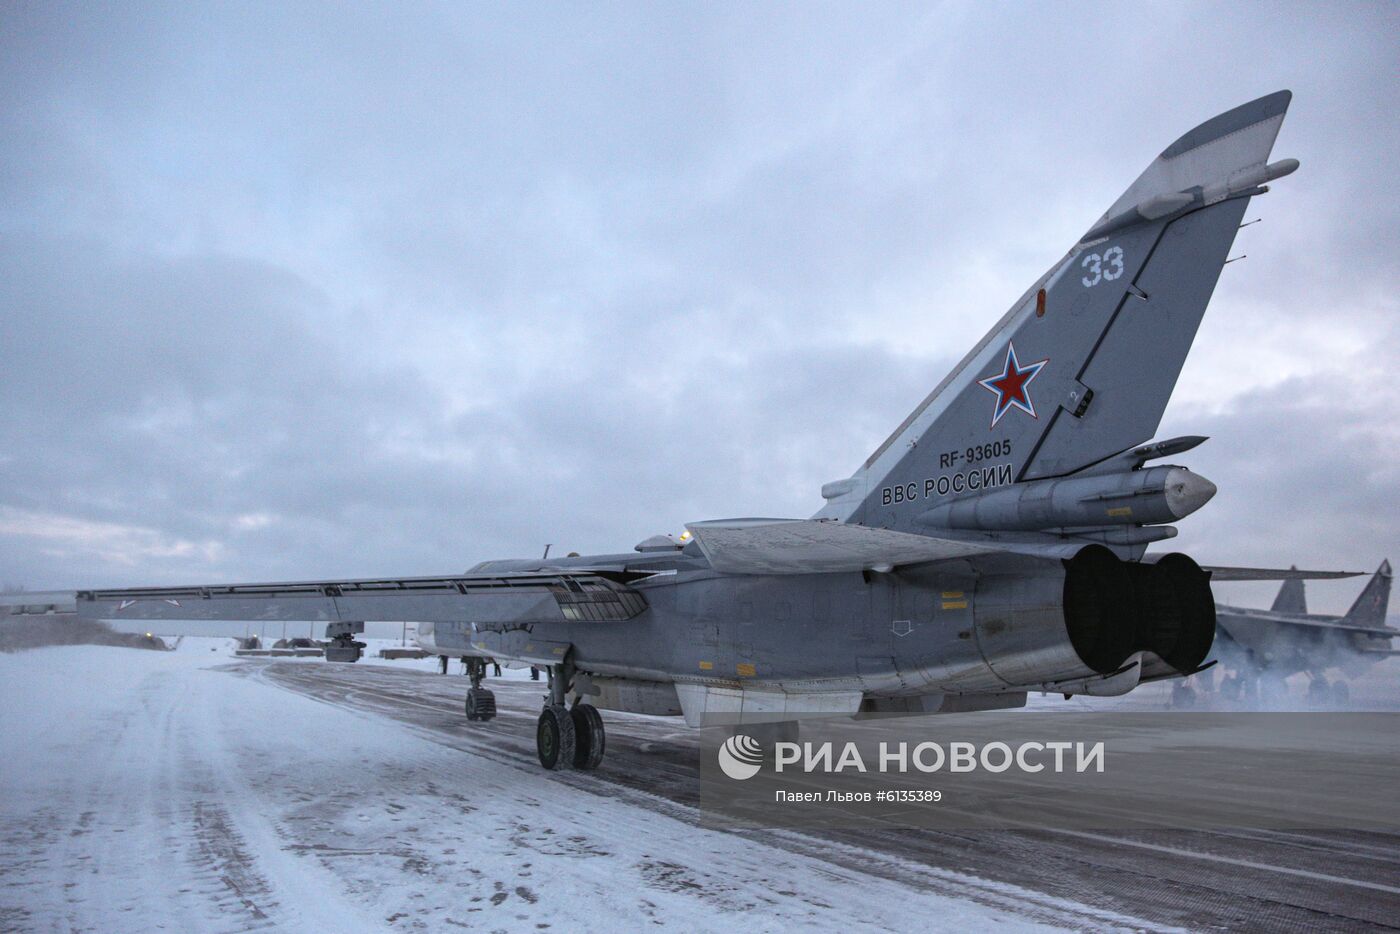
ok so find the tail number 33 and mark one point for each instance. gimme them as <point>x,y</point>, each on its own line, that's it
<point>1109,266</point>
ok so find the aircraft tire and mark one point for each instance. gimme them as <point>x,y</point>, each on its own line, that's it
<point>481,704</point>
<point>554,738</point>
<point>590,740</point>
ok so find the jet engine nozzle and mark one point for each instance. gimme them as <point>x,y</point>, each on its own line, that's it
<point>1114,608</point>
<point>1134,497</point>
<point>1076,624</point>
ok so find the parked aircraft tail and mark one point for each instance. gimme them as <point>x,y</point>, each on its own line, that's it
<point>1371,606</point>
<point>1081,368</point>
<point>1291,598</point>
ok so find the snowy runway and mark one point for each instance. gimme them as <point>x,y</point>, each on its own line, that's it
<point>147,791</point>
<point>188,791</point>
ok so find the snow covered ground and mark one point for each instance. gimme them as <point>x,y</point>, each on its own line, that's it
<point>179,791</point>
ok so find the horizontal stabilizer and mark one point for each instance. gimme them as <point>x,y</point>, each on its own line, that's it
<point>1226,575</point>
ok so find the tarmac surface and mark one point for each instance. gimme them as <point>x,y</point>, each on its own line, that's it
<point>1242,880</point>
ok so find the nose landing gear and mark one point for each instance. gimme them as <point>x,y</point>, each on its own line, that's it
<point>481,703</point>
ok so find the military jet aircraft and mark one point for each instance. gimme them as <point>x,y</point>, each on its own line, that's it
<point>995,544</point>
<point>1261,648</point>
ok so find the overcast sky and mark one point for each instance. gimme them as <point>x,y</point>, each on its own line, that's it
<point>294,291</point>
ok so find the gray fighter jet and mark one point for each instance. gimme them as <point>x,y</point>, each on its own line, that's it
<point>1258,649</point>
<point>993,545</point>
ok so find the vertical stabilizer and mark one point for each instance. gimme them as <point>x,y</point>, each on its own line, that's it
<point>1370,608</point>
<point>1082,366</point>
<point>1291,598</point>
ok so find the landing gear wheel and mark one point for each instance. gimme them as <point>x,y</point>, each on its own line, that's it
<point>481,704</point>
<point>589,738</point>
<point>554,737</point>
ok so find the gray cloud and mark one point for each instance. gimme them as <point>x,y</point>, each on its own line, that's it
<point>304,291</point>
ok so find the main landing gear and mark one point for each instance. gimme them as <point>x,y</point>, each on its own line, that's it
<point>555,740</point>
<point>568,737</point>
<point>589,738</point>
<point>1322,693</point>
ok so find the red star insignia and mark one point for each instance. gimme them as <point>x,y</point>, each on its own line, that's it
<point>1012,385</point>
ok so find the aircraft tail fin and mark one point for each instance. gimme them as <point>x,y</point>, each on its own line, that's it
<point>1291,598</point>
<point>1371,606</point>
<point>1081,367</point>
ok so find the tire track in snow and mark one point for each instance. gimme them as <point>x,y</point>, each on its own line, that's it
<point>1184,878</point>
<point>661,782</point>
